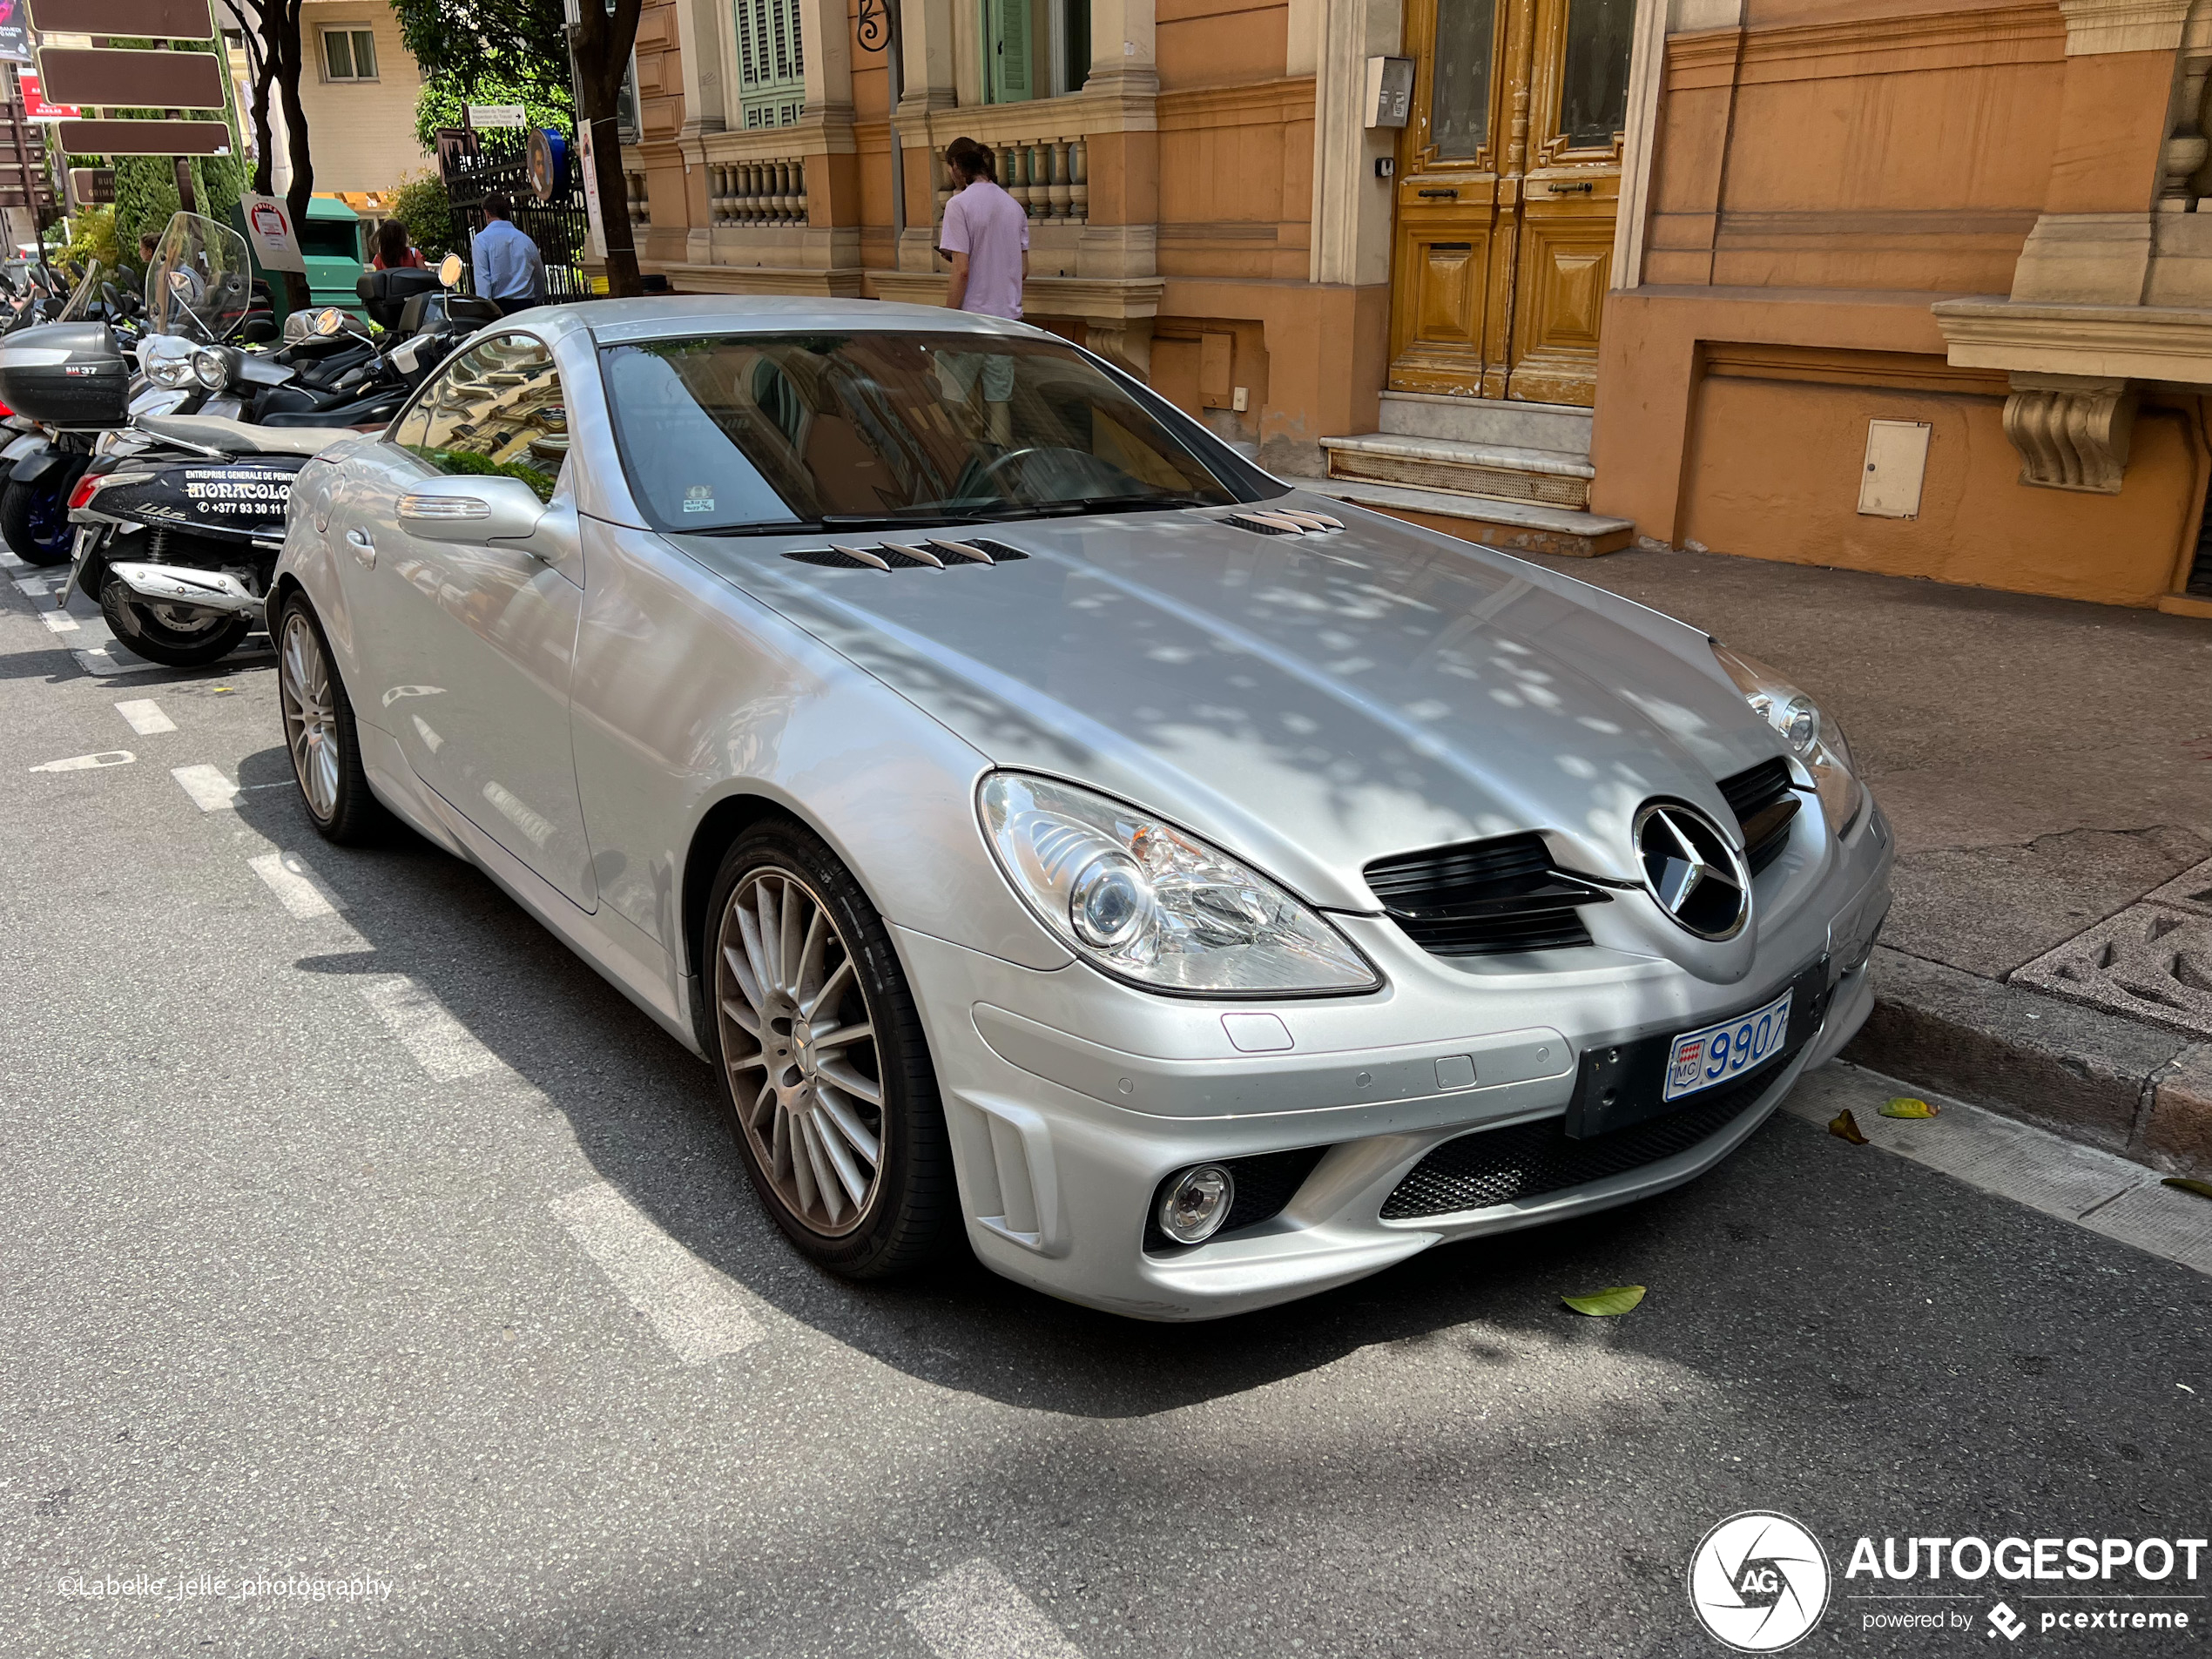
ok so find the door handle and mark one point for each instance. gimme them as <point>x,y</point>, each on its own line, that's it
<point>1447,195</point>
<point>1580,188</point>
<point>364,549</point>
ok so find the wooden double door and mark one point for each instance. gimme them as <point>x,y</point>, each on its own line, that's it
<point>1508,180</point>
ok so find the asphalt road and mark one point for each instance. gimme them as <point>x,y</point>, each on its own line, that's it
<point>356,1233</point>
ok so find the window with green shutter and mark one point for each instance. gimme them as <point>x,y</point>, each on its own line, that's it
<point>1008,78</point>
<point>771,73</point>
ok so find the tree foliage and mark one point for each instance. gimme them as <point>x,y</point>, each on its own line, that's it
<point>444,102</point>
<point>487,52</point>
<point>421,205</point>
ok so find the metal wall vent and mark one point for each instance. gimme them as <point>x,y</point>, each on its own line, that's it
<point>1283,521</point>
<point>933,552</point>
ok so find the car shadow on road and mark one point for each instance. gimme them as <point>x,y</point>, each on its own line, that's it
<point>1772,1257</point>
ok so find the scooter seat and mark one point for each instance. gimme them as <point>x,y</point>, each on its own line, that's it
<point>236,438</point>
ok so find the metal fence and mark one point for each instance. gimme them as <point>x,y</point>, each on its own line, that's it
<point>474,164</point>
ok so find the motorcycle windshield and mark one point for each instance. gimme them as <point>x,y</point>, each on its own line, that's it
<point>201,280</point>
<point>80,298</point>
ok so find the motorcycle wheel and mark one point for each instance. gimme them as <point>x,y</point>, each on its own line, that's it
<point>34,521</point>
<point>170,635</point>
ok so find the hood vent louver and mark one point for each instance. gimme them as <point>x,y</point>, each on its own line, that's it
<point>1484,898</point>
<point>1766,802</point>
<point>933,553</point>
<point>1282,520</point>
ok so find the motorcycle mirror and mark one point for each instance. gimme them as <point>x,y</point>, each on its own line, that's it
<point>329,321</point>
<point>449,270</point>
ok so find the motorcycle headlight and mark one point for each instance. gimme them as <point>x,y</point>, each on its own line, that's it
<point>1148,903</point>
<point>210,368</point>
<point>166,369</point>
<point>1813,736</point>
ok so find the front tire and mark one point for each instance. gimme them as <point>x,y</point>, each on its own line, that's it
<point>34,521</point>
<point>820,1055</point>
<point>319,733</point>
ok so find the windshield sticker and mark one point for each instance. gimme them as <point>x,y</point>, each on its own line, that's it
<point>698,500</point>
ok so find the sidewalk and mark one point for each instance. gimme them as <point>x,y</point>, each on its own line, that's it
<point>2048,768</point>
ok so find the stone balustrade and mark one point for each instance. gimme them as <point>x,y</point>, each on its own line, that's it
<point>757,192</point>
<point>1049,177</point>
<point>641,208</point>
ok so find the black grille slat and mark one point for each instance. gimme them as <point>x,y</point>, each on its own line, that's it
<point>1483,898</point>
<point>1497,1166</point>
<point>1765,804</point>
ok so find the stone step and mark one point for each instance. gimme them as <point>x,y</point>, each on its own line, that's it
<point>1518,527</point>
<point>1481,420</point>
<point>1502,472</point>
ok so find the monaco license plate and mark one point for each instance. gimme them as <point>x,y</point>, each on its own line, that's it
<point>1709,1056</point>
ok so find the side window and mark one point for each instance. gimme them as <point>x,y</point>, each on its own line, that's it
<point>498,408</point>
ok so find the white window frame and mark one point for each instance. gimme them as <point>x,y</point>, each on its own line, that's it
<point>352,31</point>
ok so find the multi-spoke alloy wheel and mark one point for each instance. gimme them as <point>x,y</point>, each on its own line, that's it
<point>801,1048</point>
<point>823,1059</point>
<point>318,731</point>
<point>310,721</point>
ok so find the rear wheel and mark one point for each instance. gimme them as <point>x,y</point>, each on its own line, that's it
<point>174,636</point>
<point>822,1057</point>
<point>34,521</point>
<point>318,731</point>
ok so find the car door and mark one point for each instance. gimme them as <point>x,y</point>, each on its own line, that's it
<point>476,642</point>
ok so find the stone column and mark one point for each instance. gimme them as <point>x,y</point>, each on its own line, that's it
<point>1350,234</point>
<point>929,58</point>
<point>1121,125</point>
<point>699,37</point>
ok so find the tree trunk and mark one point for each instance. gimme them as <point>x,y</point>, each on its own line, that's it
<point>603,42</point>
<point>290,66</point>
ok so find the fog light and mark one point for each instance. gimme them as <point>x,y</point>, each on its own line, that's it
<point>1196,1203</point>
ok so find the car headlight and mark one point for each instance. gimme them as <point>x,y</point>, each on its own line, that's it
<point>1144,901</point>
<point>1813,736</point>
<point>210,368</point>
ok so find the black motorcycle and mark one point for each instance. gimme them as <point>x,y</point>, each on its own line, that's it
<point>179,521</point>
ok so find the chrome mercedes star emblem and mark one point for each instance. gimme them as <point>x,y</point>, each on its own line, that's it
<point>1697,876</point>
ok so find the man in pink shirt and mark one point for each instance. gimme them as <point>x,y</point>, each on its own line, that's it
<point>986,235</point>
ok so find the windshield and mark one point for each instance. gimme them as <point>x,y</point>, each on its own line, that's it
<point>769,432</point>
<point>201,280</point>
<point>80,299</point>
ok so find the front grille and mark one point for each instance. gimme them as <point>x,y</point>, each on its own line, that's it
<point>1483,898</point>
<point>1764,804</point>
<point>1497,1166</point>
<point>1265,1183</point>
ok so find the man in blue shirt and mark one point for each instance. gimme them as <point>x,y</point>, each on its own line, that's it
<point>509,267</point>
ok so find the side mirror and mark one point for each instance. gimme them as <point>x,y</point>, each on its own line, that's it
<point>449,270</point>
<point>474,508</point>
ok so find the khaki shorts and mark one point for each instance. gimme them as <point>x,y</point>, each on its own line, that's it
<point>958,371</point>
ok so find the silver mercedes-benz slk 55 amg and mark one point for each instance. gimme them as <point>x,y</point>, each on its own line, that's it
<point>1056,833</point>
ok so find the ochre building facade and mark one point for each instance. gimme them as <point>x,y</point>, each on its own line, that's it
<point>1892,286</point>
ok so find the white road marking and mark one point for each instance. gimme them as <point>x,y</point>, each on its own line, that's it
<point>441,1044</point>
<point>300,889</point>
<point>9,561</point>
<point>59,621</point>
<point>87,763</point>
<point>698,1312</point>
<point>2098,1191</point>
<point>976,1612</point>
<point>33,585</point>
<point>145,716</point>
<point>209,790</point>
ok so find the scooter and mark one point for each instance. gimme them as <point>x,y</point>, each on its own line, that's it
<point>180,518</point>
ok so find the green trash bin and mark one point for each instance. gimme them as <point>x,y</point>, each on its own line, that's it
<point>333,243</point>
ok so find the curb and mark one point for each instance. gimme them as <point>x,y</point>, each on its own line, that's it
<point>2094,1077</point>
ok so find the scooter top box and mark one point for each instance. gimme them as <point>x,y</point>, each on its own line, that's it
<point>66,374</point>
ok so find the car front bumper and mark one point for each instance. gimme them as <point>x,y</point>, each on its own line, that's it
<point>1061,1140</point>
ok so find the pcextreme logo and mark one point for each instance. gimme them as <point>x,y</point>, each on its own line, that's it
<point>1760,1582</point>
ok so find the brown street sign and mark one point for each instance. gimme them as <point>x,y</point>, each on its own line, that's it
<point>162,19</point>
<point>132,79</point>
<point>91,186</point>
<point>145,138</point>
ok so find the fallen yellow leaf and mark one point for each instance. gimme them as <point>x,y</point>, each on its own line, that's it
<point>1906,1106</point>
<point>1844,1126</point>
<point>1605,1304</point>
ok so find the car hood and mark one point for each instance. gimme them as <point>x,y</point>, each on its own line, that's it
<point>1309,702</point>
